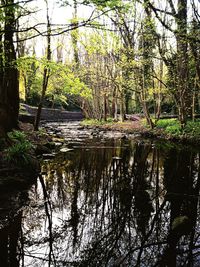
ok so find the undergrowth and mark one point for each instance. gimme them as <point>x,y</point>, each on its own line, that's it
<point>19,151</point>
<point>173,127</point>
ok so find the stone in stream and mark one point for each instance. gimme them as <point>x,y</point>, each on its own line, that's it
<point>80,128</point>
<point>116,158</point>
<point>42,149</point>
<point>48,156</point>
<point>58,144</point>
<point>65,149</point>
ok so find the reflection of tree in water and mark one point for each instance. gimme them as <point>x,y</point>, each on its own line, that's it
<point>11,237</point>
<point>109,204</point>
<point>182,184</point>
<point>143,205</point>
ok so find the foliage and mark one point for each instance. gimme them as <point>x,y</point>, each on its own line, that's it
<point>62,81</point>
<point>192,128</point>
<point>164,123</point>
<point>17,136</point>
<point>170,126</point>
<point>19,152</point>
<point>173,127</point>
<point>123,61</point>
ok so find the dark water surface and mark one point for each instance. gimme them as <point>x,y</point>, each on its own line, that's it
<point>107,202</point>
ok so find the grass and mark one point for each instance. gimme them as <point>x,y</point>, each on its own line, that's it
<point>95,122</point>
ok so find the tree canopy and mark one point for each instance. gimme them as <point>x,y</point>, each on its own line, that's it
<point>108,57</point>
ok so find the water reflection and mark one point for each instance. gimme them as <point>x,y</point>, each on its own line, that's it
<point>115,203</point>
<point>11,235</point>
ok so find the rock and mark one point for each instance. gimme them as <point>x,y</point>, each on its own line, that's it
<point>27,118</point>
<point>73,144</point>
<point>59,135</point>
<point>65,149</point>
<point>48,156</point>
<point>59,140</point>
<point>181,224</point>
<point>94,133</point>
<point>116,158</point>
<point>50,145</point>
<point>58,144</point>
<point>57,131</point>
<point>80,128</point>
<point>42,149</point>
<point>124,137</point>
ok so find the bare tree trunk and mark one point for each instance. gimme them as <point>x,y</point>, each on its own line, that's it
<point>46,70</point>
<point>159,94</point>
<point>122,108</point>
<point>105,107</point>
<point>114,104</point>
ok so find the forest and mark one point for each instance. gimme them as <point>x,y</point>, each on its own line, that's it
<point>106,171</point>
<point>107,58</point>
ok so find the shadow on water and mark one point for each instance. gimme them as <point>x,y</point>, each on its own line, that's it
<point>115,203</point>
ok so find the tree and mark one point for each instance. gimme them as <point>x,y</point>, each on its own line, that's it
<point>176,58</point>
<point>146,47</point>
<point>9,84</point>
<point>183,95</point>
<point>46,73</point>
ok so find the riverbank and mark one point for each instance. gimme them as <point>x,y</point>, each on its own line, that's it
<point>166,129</point>
<point>19,166</point>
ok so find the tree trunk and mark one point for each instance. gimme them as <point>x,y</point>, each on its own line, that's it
<point>9,84</point>
<point>74,36</point>
<point>183,94</point>
<point>122,109</point>
<point>105,107</point>
<point>46,72</point>
<point>114,104</point>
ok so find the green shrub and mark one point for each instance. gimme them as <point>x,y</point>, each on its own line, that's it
<point>192,128</point>
<point>172,126</point>
<point>19,151</point>
<point>17,136</point>
<point>173,129</point>
<point>164,123</point>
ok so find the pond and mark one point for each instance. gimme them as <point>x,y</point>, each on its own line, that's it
<point>107,202</point>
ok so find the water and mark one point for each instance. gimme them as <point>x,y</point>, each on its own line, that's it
<point>107,202</point>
